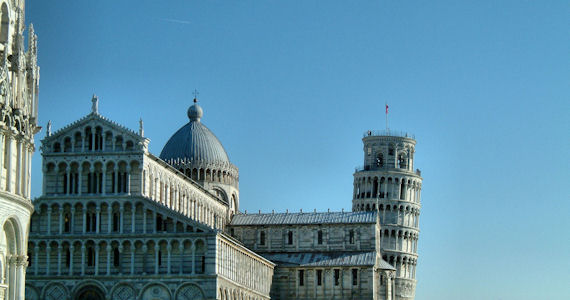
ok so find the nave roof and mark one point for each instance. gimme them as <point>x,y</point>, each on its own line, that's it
<point>356,217</point>
<point>326,259</point>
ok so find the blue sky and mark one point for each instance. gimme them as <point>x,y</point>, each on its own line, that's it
<point>290,86</point>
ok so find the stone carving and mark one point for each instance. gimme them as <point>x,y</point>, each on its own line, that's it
<point>156,292</point>
<point>55,292</point>
<point>124,292</point>
<point>190,292</point>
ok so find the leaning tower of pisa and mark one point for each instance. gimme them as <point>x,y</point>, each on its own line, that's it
<point>388,178</point>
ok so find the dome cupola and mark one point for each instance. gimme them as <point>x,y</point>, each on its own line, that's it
<point>194,142</point>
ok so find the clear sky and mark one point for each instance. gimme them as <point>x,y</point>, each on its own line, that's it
<point>289,87</point>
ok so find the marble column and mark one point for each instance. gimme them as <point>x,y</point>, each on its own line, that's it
<point>133,217</point>
<point>128,181</point>
<point>98,218</point>
<point>193,257</point>
<point>181,250</point>
<point>133,249</point>
<point>59,248</point>
<point>145,250</point>
<point>83,260</point>
<point>48,248</point>
<point>21,265</point>
<point>169,250</point>
<point>109,249</point>
<point>71,252</point>
<point>49,220</point>
<point>121,214</point>
<point>156,258</point>
<point>96,259</point>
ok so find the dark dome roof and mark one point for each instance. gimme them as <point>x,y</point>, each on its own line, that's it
<point>194,142</point>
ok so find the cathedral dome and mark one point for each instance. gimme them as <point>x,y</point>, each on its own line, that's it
<point>194,142</point>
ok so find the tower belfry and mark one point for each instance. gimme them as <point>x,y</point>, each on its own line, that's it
<point>387,183</point>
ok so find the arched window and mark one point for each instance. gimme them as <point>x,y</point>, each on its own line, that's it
<point>90,257</point>
<point>262,238</point>
<point>159,223</point>
<point>116,222</point>
<point>91,222</point>
<point>336,277</point>
<point>354,276</point>
<point>67,257</point>
<point>5,25</point>
<point>320,237</point>
<point>116,257</point>
<point>380,160</point>
<point>402,161</point>
<point>66,223</point>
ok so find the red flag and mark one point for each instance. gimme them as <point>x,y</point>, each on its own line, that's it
<point>386,108</point>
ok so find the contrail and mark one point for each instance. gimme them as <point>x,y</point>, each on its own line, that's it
<point>174,21</point>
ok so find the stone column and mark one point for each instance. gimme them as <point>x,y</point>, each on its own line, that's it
<point>156,254</point>
<point>79,179</point>
<point>71,249</point>
<point>60,220</point>
<point>109,219</point>
<point>103,179</point>
<point>71,218</point>
<point>21,265</point>
<point>120,266</point>
<point>36,260</point>
<point>133,249</point>
<point>9,163</point>
<point>96,259</point>
<point>68,172</point>
<point>144,219</point>
<point>59,248</point>
<point>121,213</point>
<point>154,221</point>
<point>193,257</point>
<point>145,250</point>
<point>84,219</point>
<point>169,249</point>
<point>49,220</point>
<point>133,217</point>
<point>109,259</point>
<point>98,218</point>
<point>116,172</point>
<point>47,258</point>
<point>128,181</point>
<point>181,250</point>
<point>83,260</point>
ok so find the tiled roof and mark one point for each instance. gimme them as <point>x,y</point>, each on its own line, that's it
<point>326,259</point>
<point>357,217</point>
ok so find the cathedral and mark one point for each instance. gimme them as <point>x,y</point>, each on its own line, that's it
<point>19,77</point>
<point>115,221</point>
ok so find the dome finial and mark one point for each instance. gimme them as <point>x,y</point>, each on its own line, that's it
<point>195,111</point>
<point>195,93</point>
